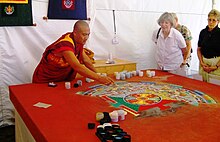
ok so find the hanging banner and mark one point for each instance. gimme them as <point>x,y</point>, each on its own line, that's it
<point>12,14</point>
<point>14,1</point>
<point>67,9</point>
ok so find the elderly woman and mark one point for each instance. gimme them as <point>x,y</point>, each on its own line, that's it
<point>170,46</point>
<point>208,50</point>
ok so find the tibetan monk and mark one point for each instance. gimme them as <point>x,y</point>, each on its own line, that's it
<point>64,58</point>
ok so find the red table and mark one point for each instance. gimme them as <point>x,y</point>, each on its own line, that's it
<point>66,120</point>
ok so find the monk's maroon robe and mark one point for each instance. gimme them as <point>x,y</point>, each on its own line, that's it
<point>53,68</point>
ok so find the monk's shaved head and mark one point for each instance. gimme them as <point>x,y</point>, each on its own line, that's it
<point>79,25</point>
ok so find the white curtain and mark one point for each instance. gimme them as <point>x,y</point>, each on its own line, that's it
<point>21,48</point>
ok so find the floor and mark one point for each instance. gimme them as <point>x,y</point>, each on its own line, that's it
<point>7,133</point>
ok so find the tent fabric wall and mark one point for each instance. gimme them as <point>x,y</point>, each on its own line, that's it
<point>21,48</point>
<point>135,24</point>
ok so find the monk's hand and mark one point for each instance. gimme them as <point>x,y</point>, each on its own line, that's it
<point>106,80</point>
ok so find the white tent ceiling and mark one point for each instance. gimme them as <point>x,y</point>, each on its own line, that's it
<point>21,47</point>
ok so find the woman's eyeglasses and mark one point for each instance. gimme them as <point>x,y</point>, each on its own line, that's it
<point>212,20</point>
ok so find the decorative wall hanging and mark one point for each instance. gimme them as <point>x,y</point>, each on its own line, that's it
<point>67,9</point>
<point>15,13</point>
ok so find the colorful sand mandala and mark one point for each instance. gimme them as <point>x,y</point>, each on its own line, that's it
<point>136,97</point>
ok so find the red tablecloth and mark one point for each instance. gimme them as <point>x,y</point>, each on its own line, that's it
<point>67,119</point>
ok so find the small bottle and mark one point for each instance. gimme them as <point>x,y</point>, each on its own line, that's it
<point>67,85</point>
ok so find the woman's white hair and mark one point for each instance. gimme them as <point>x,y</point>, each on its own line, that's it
<point>166,16</point>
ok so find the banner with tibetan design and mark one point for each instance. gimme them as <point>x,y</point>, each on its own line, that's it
<point>14,1</point>
<point>12,14</point>
<point>67,9</point>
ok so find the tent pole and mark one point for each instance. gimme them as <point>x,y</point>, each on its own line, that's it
<point>213,4</point>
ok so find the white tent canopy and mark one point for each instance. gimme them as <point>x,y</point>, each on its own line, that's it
<point>21,48</point>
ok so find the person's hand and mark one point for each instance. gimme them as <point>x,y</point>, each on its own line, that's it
<point>203,65</point>
<point>182,65</point>
<point>105,80</point>
<point>209,69</point>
